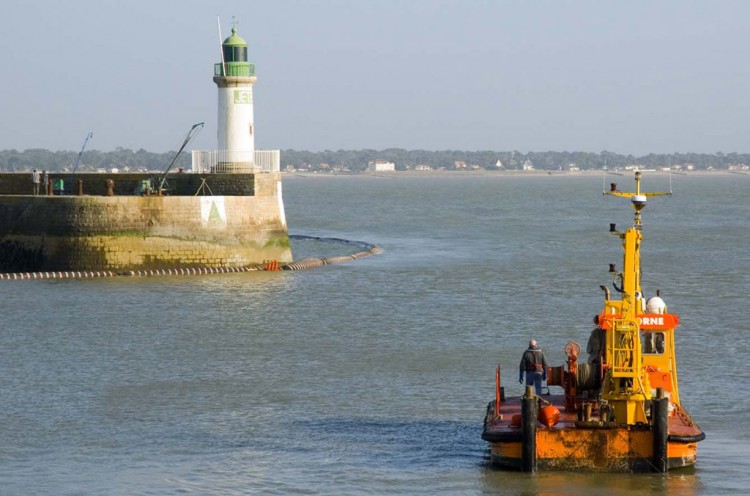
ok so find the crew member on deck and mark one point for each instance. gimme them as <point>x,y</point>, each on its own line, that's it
<point>534,364</point>
<point>595,346</point>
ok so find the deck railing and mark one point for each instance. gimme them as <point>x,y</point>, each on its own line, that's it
<point>228,161</point>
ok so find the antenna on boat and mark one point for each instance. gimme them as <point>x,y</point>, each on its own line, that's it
<point>670,174</point>
<point>637,198</point>
<point>607,171</point>
<point>670,179</point>
<point>189,136</point>
<point>604,177</point>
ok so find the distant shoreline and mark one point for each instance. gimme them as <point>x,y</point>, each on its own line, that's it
<point>486,173</point>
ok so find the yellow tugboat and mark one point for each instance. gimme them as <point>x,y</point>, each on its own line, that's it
<point>620,411</point>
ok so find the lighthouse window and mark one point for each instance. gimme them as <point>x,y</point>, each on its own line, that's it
<point>652,343</point>
<point>235,54</point>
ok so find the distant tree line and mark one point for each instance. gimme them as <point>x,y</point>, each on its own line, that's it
<point>356,160</point>
<point>92,160</point>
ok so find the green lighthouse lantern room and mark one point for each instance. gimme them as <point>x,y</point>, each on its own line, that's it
<point>234,58</point>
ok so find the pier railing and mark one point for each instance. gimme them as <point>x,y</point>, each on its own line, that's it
<point>227,161</point>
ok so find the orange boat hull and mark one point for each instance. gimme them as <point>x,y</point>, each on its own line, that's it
<point>573,445</point>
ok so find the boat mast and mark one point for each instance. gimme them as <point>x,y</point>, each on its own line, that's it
<point>626,387</point>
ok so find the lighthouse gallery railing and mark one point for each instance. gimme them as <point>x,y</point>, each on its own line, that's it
<point>206,161</point>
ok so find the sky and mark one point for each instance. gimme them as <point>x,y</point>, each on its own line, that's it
<point>632,77</point>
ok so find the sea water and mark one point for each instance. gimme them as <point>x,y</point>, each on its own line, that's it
<point>372,376</point>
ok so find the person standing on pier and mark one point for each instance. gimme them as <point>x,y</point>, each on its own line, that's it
<point>35,180</point>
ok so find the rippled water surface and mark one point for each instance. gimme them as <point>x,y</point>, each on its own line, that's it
<point>370,377</point>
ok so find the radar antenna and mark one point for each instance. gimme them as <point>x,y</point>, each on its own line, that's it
<point>637,198</point>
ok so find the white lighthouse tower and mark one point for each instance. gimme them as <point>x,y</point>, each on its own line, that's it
<point>235,77</point>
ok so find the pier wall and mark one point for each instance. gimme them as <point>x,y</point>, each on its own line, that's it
<point>95,184</point>
<point>140,232</point>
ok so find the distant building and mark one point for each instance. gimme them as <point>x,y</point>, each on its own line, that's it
<point>499,164</point>
<point>380,166</point>
<point>422,168</point>
<point>459,164</point>
<point>528,166</point>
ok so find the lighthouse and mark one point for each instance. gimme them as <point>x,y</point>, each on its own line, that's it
<point>234,76</point>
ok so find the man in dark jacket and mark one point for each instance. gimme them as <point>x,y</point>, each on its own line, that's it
<point>534,364</point>
<point>597,342</point>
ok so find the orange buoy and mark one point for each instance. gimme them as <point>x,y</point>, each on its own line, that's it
<point>549,416</point>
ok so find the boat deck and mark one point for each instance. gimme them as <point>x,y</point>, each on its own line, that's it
<point>680,425</point>
<point>580,445</point>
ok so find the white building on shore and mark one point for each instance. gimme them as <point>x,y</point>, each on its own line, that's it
<point>380,166</point>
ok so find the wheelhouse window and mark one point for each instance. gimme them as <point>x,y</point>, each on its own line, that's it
<point>652,343</point>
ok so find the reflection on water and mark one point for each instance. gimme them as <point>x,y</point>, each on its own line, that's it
<point>566,483</point>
